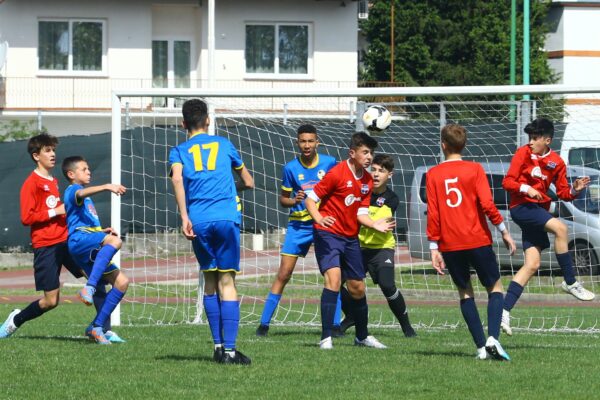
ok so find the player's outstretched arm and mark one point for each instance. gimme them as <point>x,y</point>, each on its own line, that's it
<point>381,225</point>
<point>179,190</point>
<point>92,190</point>
<point>313,210</point>
<point>246,181</point>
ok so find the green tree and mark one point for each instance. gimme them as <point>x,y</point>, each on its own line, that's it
<point>18,130</point>
<point>452,42</point>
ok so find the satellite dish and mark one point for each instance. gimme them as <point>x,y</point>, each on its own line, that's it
<point>3,53</point>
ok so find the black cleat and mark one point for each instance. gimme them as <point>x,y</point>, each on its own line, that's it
<point>218,354</point>
<point>262,330</point>
<point>346,323</point>
<point>238,358</point>
<point>409,332</point>
<point>337,332</point>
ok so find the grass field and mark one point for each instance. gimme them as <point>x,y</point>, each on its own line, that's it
<point>49,358</point>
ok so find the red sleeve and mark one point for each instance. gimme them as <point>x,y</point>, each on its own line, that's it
<point>484,196</point>
<point>326,185</point>
<point>511,180</point>
<point>29,207</point>
<point>433,213</point>
<point>563,189</point>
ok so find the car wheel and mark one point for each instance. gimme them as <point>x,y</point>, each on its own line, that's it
<point>584,258</point>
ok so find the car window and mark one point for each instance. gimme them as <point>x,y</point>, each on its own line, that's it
<point>501,198</point>
<point>423,189</point>
<point>586,156</point>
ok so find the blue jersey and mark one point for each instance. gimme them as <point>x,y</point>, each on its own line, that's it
<point>297,176</point>
<point>210,193</point>
<point>81,214</point>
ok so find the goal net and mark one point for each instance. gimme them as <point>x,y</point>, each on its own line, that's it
<point>166,285</point>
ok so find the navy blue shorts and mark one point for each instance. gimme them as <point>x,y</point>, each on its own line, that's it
<point>298,239</point>
<point>47,262</point>
<point>217,246</point>
<point>333,250</point>
<point>482,259</point>
<point>532,218</point>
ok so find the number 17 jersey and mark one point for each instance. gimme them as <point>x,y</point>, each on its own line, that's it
<point>458,200</point>
<point>210,193</point>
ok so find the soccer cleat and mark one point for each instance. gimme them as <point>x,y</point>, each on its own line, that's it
<point>495,350</point>
<point>113,337</point>
<point>578,291</point>
<point>409,332</point>
<point>218,354</point>
<point>505,323</point>
<point>86,295</point>
<point>262,330</point>
<point>370,341</point>
<point>237,358</point>
<point>482,354</point>
<point>326,344</point>
<point>346,323</point>
<point>9,327</point>
<point>337,332</point>
<point>96,334</point>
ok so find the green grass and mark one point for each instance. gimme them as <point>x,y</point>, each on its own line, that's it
<point>49,359</point>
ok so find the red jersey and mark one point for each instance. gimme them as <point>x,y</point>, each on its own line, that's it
<point>342,194</point>
<point>458,199</point>
<point>528,169</point>
<point>39,198</point>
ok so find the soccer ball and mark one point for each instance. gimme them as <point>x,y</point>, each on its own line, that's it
<point>377,118</point>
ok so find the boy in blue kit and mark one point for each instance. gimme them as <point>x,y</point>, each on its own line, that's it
<point>299,177</point>
<point>91,246</point>
<point>206,195</point>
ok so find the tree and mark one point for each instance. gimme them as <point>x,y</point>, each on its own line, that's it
<point>18,130</point>
<point>452,42</point>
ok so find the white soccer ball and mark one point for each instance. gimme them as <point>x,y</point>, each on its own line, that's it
<point>377,118</point>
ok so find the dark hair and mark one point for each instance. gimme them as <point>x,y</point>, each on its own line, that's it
<point>307,128</point>
<point>69,164</point>
<point>195,114</point>
<point>384,160</point>
<point>455,137</point>
<point>362,139</point>
<point>540,127</point>
<point>37,143</point>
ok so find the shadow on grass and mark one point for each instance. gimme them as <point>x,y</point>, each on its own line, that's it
<point>450,353</point>
<point>79,339</point>
<point>179,357</point>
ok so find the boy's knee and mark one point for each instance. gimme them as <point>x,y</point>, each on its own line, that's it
<point>284,275</point>
<point>114,241</point>
<point>388,290</point>
<point>356,289</point>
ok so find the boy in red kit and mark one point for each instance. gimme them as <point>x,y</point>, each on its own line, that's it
<point>533,168</point>
<point>344,194</point>
<point>43,210</point>
<point>458,200</point>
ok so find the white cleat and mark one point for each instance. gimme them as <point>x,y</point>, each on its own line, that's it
<point>9,327</point>
<point>370,341</point>
<point>326,344</point>
<point>482,354</point>
<point>578,291</point>
<point>505,323</point>
<point>495,350</point>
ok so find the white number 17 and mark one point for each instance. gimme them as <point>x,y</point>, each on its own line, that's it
<point>449,190</point>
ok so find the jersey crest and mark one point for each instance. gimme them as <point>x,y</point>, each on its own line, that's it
<point>364,189</point>
<point>380,201</point>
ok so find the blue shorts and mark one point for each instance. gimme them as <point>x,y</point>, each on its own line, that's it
<point>334,250</point>
<point>47,262</point>
<point>298,239</point>
<point>532,218</point>
<point>482,259</point>
<point>217,245</point>
<point>84,246</point>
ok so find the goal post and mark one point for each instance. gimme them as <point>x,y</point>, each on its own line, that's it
<point>261,124</point>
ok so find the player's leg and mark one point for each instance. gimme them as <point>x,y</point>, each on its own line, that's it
<point>46,265</point>
<point>286,268</point>
<point>120,284</point>
<point>348,320</point>
<point>212,308</point>
<point>565,261</point>
<point>109,247</point>
<point>230,317</point>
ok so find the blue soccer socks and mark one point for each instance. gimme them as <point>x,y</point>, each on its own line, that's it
<point>230,315</point>
<point>113,298</point>
<point>513,293</point>
<point>329,300</point>
<point>566,265</point>
<point>494,312</point>
<point>102,260</point>
<point>271,304</point>
<point>471,316</point>
<point>212,306</point>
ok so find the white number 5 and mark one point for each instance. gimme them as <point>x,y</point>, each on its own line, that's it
<point>449,190</point>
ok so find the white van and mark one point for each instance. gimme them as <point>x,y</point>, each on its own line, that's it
<point>581,217</point>
<point>581,144</point>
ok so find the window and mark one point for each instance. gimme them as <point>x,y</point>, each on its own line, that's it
<point>278,49</point>
<point>71,46</point>
<point>171,67</point>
